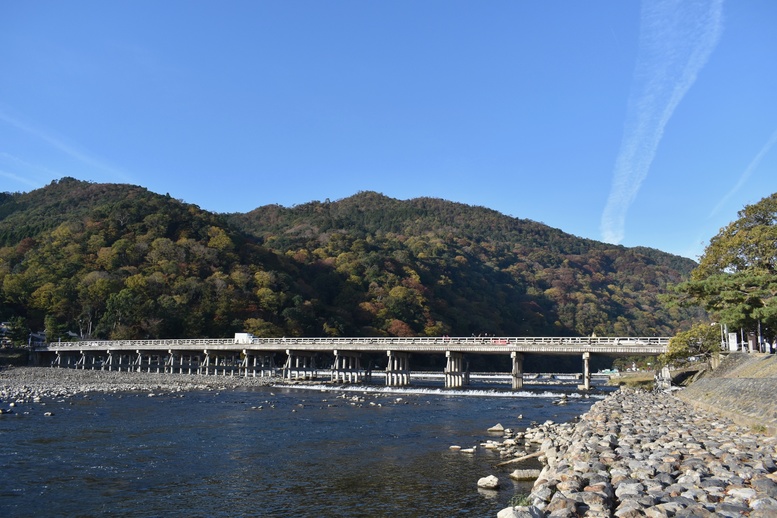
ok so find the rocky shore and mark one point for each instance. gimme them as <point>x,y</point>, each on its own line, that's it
<point>639,453</point>
<point>20,384</point>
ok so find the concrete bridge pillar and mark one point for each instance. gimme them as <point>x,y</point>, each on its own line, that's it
<point>152,361</point>
<point>517,372</point>
<point>204,364</point>
<point>170,362</point>
<point>254,363</point>
<point>347,367</point>
<point>115,361</point>
<point>299,365</point>
<point>456,375</point>
<point>397,369</point>
<point>586,373</point>
<point>245,364</point>
<point>266,364</point>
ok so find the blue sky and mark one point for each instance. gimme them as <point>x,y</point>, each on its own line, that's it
<point>644,124</point>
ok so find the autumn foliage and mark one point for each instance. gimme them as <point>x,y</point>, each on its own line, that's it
<point>117,261</point>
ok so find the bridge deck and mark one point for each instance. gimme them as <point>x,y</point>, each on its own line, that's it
<point>621,346</point>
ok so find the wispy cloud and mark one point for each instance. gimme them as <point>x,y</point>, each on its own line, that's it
<point>676,39</point>
<point>747,172</point>
<point>19,179</point>
<point>66,148</point>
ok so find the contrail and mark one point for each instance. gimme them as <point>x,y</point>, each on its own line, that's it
<point>19,179</point>
<point>746,174</point>
<point>676,39</point>
<point>62,146</point>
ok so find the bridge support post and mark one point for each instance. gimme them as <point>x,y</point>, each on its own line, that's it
<point>586,373</point>
<point>204,365</point>
<point>245,364</point>
<point>266,364</point>
<point>170,362</point>
<point>517,372</point>
<point>456,376</point>
<point>299,364</point>
<point>397,369</point>
<point>347,367</point>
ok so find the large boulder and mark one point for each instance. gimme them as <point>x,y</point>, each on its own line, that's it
<point>525,474</point>
<point>489,482</point>
<point>520,512</point>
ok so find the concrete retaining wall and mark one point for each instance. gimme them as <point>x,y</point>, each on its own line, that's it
<point>743,388</point>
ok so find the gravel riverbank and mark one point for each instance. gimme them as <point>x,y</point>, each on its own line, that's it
<point>639,453</point>
<point>30,383</point>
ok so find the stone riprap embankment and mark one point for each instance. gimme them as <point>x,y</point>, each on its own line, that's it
<point>19,384</point>
<point>639,453</point>
<point>742,388</point>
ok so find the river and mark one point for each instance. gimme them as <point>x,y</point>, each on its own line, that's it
<point>271,451</point>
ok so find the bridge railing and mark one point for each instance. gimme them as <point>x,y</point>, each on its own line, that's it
<point>622,341</point>
<point>108,344</point>
<point>341,342</point>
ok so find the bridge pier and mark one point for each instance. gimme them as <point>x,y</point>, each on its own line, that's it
<point>586,373</point>
<point>517,371</point>
<point>456,376</point>
<point>264,364</point>
<point>253,363</point>
<point>65,360</point>
<point>347,367</point>
<point>397,369</point>
<point>204,365</point>
<point>154,362</point>
<point>170,362</point>
<point>223,364</point>
<point>185,364</point>
<point>117,361</point>
<point>87,361</point>
<point>300,365</point>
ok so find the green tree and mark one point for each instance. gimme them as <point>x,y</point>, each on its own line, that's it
<point>702,340</point>
<point>55,330</point>
<point>736,279</point>
<point>19,331</point>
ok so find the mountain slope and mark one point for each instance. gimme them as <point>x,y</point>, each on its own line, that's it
<point>117,261</point>
<point>471,270</point>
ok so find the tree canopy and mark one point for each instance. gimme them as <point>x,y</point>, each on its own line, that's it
<point>736,280</point>
<point>702,341</point>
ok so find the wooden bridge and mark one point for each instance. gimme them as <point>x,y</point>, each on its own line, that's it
<point>246,355</point>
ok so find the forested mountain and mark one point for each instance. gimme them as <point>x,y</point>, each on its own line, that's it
<point>117,261</point>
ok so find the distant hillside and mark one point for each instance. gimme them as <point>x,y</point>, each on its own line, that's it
<point>117,261</point>
<point>434,266</point>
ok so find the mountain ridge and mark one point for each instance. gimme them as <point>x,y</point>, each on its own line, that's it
<point>133,263</point>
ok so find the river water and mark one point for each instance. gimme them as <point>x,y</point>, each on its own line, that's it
<point>280,451</point>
